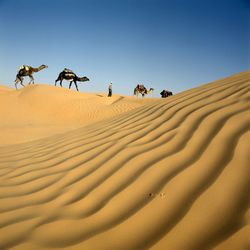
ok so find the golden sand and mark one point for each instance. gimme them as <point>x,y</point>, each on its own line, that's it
<point>84,171</point>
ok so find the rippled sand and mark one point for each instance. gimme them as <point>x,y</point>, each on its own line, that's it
<point>84,171</point>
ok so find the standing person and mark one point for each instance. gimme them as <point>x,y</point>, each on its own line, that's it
<point>110,90</point>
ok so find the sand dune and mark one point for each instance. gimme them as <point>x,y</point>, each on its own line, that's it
<point>125,173</point>
<point>44,110</point>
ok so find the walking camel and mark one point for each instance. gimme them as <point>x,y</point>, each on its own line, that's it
<point>70,76</point>
<point>142,90</point>
<point>26,70</point>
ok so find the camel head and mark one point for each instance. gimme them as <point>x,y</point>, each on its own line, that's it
<point>39,68</point>
<point>83,79</point>
<point>150,90</point>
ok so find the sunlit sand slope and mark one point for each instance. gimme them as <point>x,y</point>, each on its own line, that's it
<point>171,174</point>
<point>38,111</point>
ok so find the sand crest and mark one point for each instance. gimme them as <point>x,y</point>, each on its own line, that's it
<point>84,171</point>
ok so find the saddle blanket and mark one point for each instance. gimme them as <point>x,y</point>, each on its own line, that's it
<point>25,67</point>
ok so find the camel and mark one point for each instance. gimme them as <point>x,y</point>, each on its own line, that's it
<point>70,76</point>
<point>165,93</point>
<point>26,70</point>
<point>142,90</point>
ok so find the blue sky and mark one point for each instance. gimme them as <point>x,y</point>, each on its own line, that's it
<point>164,44</point>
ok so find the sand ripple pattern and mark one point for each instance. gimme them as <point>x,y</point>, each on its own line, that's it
<point>172,174</point>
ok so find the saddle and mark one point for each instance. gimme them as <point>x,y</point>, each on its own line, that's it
<point>24,67</point>
<point>68,73</point>
<point>141,87</point>
<point>68,70</point>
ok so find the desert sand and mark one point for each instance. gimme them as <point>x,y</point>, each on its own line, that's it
<point>84,171</point>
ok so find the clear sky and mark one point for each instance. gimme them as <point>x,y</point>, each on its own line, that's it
<point>164,44</point>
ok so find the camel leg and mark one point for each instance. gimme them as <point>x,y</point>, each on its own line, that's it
<point>21,81</point>
<point>31,79</point>
<point>70,84</point>
<point>17,83</point>
<point>136,93</point>
<point>76,86</point>
<point>58,79</point>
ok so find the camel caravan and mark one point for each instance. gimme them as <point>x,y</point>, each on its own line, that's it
<point>66,74</point>
<point>70,76</point>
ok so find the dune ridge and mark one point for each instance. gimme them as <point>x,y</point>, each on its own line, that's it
<point>136,174</point>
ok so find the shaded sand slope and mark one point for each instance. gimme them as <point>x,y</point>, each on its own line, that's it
<point>171,174</point>
<point>38,111</point>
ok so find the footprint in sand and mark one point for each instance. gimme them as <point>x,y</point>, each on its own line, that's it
<point>156,194</point>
